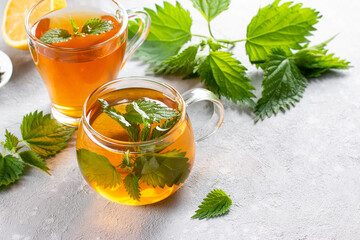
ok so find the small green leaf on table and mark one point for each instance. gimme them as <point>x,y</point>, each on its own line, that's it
<point>216,203</point>
<point>10,169</point>
<point>170,30</point>
<point>32,159</point>
<point>11,142</point>
<point>313,61</point>
<point>44,135</point>
<point>183,63</point>
<point>283,85</point>
<point>283,27</point>
<point>225,76</point>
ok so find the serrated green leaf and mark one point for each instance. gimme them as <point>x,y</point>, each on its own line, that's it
<point>132,129</point>
<point>10,169</point>
<point>97,168</point>
<point>216,203</point>
<point>11,142</point>
<point>131,183</point>
<point>32,159</point>
<point>159,131</point>
<point>279,26</point>
<point>73,25</point>
<point>160,169</point>
<point>96,26</point>
<point>313,61</point>
<point>225,76</point>
<point>44,135</point>
<point>143,110</point>
<point>145,132</point>
<point>183,63</point>
<point>170,30</point>
<point>214,46</point>
<point>211,8</point>
<point>283,85</point>
<point>55,35</point>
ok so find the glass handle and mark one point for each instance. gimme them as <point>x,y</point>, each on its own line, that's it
<point>140,36</point>
<point>204,127</point>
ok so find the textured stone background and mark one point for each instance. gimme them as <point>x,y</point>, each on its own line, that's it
<point>294,176</point>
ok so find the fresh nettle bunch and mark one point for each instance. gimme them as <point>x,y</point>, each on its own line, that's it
<point>271,38</point>
<point>44,138</point>
<point>91,27</point>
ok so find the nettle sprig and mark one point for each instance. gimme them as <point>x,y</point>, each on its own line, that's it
<point>42,137</point>
<point>91,27</point>
<point>276,41</point>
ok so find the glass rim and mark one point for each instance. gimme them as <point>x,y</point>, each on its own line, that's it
<point>97,91</point>
<point>34,38</point>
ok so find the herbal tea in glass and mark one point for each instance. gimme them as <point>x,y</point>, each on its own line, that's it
<point>78,48</point>
<point>135,143</point>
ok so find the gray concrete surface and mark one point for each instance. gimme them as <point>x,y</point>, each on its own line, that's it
<point>294,176</point>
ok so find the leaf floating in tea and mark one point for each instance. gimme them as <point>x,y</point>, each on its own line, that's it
<point>96,26</point>
<point>97,168</point>
<point>159,131</point>
<point>146,110</point>
<point>44,135</point>
<point>55,35</point>
<point>131,183</point>
<point>216,203</point>
<point>160,169</point>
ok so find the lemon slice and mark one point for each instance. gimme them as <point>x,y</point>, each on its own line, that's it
<point>13,26</point>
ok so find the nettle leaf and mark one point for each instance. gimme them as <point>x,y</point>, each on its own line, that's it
<point>170,30</point>
<point>181,64</point>
<point>216,203</point>
<point>283,85</point>
<point>145,132</point>
<point>11,142</point>
<point>97,168</point>
<point>44,135</point>
<point>55,35</point>
<point>126,160</point>
<point>161,130</point>
<point>279,26</point>
<point>160,169</point>
<point>225,76</point>
<point>313,61</point>
<point>132,129</point>
<point>214,46</point>
<point>132,187</point>
<point>96,26</point>
<point>211,8</point>
<point>32,159</point>
<point>10,169</point>
<point>143,110</point>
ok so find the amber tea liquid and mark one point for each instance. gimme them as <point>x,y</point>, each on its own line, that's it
<point>71,70</point>
<point>181,141</point>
